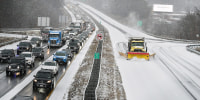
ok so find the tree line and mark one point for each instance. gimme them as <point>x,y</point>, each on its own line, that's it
<point>24,13</point>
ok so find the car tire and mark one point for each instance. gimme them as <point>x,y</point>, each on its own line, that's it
<point>7,73</point>
<point>34,88</point>
<point>24,71</point>
<point>21,73</point>
<point>52,87</point>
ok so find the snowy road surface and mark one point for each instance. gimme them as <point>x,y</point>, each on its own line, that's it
<point>152,80</point>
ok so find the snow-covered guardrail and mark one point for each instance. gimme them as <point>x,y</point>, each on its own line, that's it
<point>192,48</point>
<point>12,41</point>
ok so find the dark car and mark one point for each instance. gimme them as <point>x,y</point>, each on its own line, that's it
<point>17,65</point>
<point>38,52</point>
<point>80,39</point>
<point>36,41</point>
<point>74,45</point>
<point>44,79</point>
<point>69,52</point>
<point>25,46</point>
<point>84,35</point>
<point>19,97</point>
<point>67,36</point>
<point>6,54</point>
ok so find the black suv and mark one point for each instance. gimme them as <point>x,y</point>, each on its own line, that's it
<point>44,79</point>
<point>36,41</point>
<point>6,54</point>
<point>69,53</point>
<point>74,45</point>
<point>24,46</point>
<point>16,65</point>
<point>38,52</point>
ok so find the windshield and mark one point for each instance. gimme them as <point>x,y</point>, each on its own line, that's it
<point>72,44</point>
<point>24,44</point>
<point>53,35</point>
<point>25,55</point>
<point>45,31</point>
<point>37,49</point>
<point>15,60</point>
<point>6,51</point>
<point>50,63</point>
<point>137,44</point>
<point>35,39</point>
<point>71,31</point>
<point>77,26</point>
<point>43,75</point>
<point>60,54</point>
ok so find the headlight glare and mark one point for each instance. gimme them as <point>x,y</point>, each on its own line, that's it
<point>49,81</point>
<point>35,80</point>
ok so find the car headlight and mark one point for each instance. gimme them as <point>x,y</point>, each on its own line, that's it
<point>9,67</point>
<point>18,67</point>
<point>35,80</point>
<point>49,81</point>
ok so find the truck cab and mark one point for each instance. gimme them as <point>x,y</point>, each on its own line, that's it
<point>56,39</point>
<point>137,45</point>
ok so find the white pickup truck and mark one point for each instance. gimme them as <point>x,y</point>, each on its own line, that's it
<point>51,65</point>
<point>30,58</point>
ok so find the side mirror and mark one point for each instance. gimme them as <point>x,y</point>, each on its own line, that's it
<point>34,75</point>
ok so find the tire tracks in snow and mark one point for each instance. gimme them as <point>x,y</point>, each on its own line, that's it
<point>174,66</point>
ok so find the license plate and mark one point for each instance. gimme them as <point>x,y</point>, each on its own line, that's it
<point>41,85</point>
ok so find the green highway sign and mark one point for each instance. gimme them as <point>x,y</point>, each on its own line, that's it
<point>139,23</point>
<point>96,56</point>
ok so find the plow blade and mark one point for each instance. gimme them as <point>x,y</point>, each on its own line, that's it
<point>140,55</point>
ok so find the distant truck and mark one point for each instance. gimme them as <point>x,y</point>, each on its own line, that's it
<point>56,39</point>
<point>45,33</point>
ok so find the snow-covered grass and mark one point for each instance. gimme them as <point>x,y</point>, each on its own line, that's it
<point>6,39</point>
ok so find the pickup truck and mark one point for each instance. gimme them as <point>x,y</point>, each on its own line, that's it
<point>36,41</point>
<point>17,66</point>
<point>74,45</point>
<point>44,79</point>
<point>6,54</point>
<point>51,65</point>
<point>38,52</point>
<point>24,46</point>
<point>30,59</point>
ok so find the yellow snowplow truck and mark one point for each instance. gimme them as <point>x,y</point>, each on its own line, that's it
<point>137,48</point>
